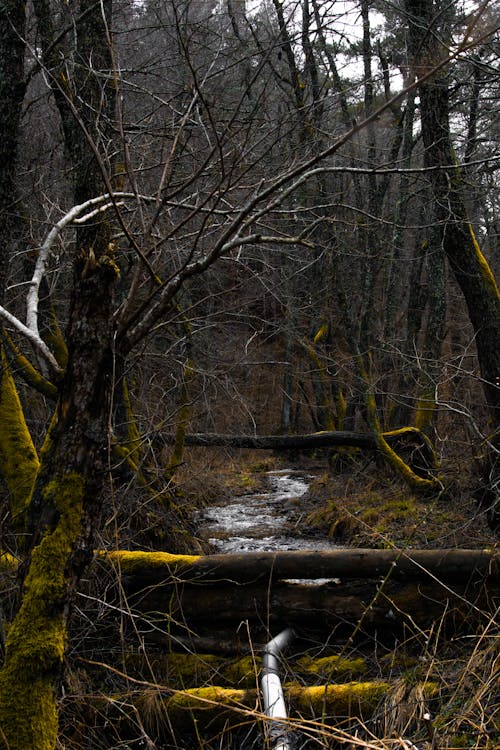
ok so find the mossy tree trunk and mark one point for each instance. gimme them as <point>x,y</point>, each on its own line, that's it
<point>65,505</point>
<point>62,519</point>
<point>18,457</point>
<point>468,263</point>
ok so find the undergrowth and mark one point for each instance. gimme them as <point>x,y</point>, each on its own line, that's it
<point>128,674</point>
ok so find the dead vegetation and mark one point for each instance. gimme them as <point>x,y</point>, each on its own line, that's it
<point>429,690</point>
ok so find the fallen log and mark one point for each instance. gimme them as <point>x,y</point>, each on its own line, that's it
<point>280,442</point>
<point>388,609</point>
<point>197,669</point>
<point>309,441</point>
<point>216,707</point>
<point>387,591</point>
<point>146,569</point>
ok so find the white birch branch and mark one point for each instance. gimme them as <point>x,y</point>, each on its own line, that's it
<point>73,216</point>
<point>33,337</point>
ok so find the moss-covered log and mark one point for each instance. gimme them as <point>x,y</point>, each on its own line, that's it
<point>383,589</point>
<point>146,569</point>
<point>217,707</point>
<point>180,669</point>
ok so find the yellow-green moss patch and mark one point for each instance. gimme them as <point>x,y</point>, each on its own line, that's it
<point>349,699</point>
<point>18,458</point>
<point>36,641</point>
<point>131,562</point>
<point>8,562</point>
<point>331,667</point>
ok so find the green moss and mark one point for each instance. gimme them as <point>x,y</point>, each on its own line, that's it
<point>204,698</point>
<point>414,481</point>
<point>484,268</point>
<point>131,562</point>
<point>339,524</point>
<point>196,708</point>
<point>36,641</point>
<point>27,372</point>
<point>19,462</point>
<point>109,264</point>
<point>350,699</point>
<point>8,562</point>
<point>331,666</point>
<point>242,673</point>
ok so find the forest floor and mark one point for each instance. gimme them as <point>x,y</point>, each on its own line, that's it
<point>357,503</point>
<point>369,508</point>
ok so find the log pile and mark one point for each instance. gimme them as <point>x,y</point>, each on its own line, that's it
<point>385,590</point>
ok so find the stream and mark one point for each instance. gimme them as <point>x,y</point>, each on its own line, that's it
<point>261,521</point>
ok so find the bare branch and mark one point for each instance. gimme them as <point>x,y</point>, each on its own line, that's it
<point>73,216</point>
<point>33,337</point>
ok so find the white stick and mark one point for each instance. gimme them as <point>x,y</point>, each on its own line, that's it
<point>72,216</point>
<point>35,339</point>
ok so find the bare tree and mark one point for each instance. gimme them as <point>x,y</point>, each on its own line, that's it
<point>170,182</point>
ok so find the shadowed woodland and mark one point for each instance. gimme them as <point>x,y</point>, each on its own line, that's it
<point>236,236</point>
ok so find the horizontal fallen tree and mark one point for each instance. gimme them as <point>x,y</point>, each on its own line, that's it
<point>387,609</point>
<point>384,590</point>
<point>404,438</point>
<point>179,669</point>
<point>461,565</point>
<point>324,439</point>
<point>214,707</point>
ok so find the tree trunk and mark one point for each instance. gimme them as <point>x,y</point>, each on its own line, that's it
<point>471,270</point>
<point>468,263</point>
<point>66,501</point>
<point>62,518</point>
<point>12,90</point>
<point>408,440</point>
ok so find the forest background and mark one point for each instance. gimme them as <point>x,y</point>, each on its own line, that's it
<point>228,219</point>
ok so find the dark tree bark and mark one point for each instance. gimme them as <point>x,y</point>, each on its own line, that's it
<point>384,589</point>
<point>65,506</point>
<point>470,268</point>
<point>469,265</point>
<point>12,90</point>
<point>462,565</point>
<point>409,441</point>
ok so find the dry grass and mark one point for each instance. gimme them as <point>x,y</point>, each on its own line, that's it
<point>372,509</point>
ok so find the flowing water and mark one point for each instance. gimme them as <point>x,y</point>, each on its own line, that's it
<point>261,521</point>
